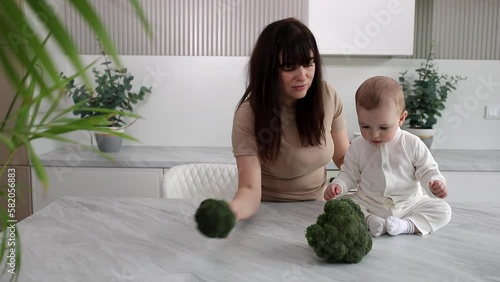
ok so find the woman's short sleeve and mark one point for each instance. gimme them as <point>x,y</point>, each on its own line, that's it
<point>243,137</point>
<point>338,122</point>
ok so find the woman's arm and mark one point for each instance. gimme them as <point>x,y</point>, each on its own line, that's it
<point>341,144</point>
<point>246,201</point>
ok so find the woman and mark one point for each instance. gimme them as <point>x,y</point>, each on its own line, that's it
<point>289,123</point>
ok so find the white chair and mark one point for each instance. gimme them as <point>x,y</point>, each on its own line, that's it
<point>200,181</point>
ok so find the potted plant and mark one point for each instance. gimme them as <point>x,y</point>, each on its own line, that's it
<point>425,98</point>
<point>113,91</point>
<point>33,111</point>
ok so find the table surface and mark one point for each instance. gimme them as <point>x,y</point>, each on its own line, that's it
<point>140,239</point>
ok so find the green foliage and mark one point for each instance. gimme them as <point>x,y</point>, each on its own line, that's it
<point>214,218</point>
<point>35,111</point>
<point>426,96</point>
<point>340,234</point>
<point>113,91</point>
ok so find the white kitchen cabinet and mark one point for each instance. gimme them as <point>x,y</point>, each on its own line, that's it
<point>96,182</point>
<point>360,27</point>
<point>468,186</point>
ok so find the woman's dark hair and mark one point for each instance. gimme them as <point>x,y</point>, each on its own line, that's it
<point>295,42</point>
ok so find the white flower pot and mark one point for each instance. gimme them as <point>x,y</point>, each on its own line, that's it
<point>426,135</point>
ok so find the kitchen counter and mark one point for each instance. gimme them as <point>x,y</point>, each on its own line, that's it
<point>166,157</point>
<point>132,239</point>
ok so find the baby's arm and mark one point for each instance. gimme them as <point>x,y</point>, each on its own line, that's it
<point>347,178</point>
<point>427,172</point>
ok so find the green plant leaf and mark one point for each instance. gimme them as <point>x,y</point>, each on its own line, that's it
<point>24,42</point>
<point>11,73</point>
<point>425,96</point>
<point>6,140</point>
<point>45,84</point>
<point>61,36</point>
<point>37,166</point>
<point>55,137</point>
<point>93,20</point>
<point>22,120</point>
<point>140,13</point>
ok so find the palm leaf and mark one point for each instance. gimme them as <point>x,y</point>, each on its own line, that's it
<point>94,21</point>
<point>61,36</point>
<point>25,46</point>
<point>13,77</point>
<point>30,53</point>
<point>7,141</point>
<point>37,166</point>
<point>140,13</point>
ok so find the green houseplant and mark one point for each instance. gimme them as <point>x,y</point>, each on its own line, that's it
<point>34,110</point>
<point>425,97</point>
<point>112,91</point>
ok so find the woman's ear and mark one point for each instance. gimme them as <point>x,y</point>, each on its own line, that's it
<point>402,118</point>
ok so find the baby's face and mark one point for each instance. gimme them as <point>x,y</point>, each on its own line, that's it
<point>380,125</point>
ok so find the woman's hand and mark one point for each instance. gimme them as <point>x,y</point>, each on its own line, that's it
<point>332,191</point>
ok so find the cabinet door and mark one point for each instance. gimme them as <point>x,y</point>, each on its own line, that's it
<point>20,199</point>
<point>360,27</point>
<point>467,186</point>
<point>96,182</point>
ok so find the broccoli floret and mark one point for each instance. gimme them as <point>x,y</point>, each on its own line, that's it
<point>214,218</point>
<point>340,234</point>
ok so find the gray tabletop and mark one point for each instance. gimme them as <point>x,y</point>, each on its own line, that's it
<point>130,239</point>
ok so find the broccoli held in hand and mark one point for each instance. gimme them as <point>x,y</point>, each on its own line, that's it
<point>340,234</point>
<point>214,218</point>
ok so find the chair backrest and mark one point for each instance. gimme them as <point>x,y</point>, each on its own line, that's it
<point>200,181</point>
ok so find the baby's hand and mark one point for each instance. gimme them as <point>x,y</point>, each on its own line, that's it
<point>438,188</point>
<point>332,191</point>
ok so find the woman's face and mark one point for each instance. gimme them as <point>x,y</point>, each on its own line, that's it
<point>295,80</point>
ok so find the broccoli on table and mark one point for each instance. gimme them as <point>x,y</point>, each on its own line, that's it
<point>214,218</point>
<point>340,234</point>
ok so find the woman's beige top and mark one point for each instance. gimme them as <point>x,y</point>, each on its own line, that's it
<point>299,173</point>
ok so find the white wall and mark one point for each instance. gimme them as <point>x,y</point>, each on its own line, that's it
<point>193,98</point>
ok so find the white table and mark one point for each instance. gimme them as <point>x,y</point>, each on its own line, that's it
<point>130,239</point>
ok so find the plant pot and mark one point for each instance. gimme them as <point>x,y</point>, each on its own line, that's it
<point>426,135</point>
<point>107,142</point>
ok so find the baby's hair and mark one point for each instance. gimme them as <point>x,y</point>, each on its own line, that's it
<point>376,89</point>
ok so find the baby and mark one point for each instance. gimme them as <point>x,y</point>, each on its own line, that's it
<point>389,167</point>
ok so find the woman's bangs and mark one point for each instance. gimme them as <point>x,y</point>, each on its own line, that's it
<point>297,53</point>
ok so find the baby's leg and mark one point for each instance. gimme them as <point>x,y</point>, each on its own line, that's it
<point>376,224</point>
<point>396,226</point>
<point>429,215</point>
